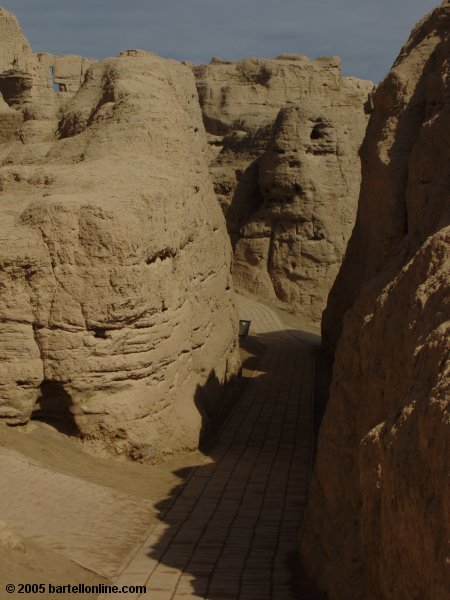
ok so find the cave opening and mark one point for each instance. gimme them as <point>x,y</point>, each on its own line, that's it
<point>14,86</point>
<point>318,131</point>
<point>54,407</point>
<point>100,332</point>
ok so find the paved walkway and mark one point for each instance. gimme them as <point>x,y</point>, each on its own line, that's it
<point>231,529</point>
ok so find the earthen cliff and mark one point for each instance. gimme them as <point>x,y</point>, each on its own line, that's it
<point>377,524</point>
<point>284,137</point>
<point>116,303</point>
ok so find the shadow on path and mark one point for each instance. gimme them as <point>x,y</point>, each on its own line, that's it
<point>231,530</point>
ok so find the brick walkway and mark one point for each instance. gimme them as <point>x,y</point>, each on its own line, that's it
<point>232,527</point>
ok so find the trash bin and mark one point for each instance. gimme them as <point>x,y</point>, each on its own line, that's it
<point>244,327</point>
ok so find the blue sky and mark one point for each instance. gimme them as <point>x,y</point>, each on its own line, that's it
<point>366,34</point>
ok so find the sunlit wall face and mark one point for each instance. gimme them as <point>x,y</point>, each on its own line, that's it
<point>366,34</point>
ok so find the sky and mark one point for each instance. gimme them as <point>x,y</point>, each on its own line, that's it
<point>366,34</point>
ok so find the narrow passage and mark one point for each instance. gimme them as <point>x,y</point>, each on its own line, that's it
<point>234,525</point>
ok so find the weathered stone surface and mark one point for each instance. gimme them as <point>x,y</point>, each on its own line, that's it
<point>68,70</point>
<point>25,87</point>
<point>288,184</point>
<point>116,299</point>
<point>14,45</point>
<point>377,524</point>
<point>248,94</point>
<point>26,79</point>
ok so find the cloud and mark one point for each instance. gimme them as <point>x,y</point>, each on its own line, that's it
<point>367,34</point>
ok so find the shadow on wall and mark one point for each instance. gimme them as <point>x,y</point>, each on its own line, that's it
<point>246,201</point>
<point>214,401</point>
<point>382,232</point>
<point>241,152</point>
<point>230,530</point>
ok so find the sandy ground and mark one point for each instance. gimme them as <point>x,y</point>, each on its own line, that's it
<point>56,451</point>
<point>40,468</point>
<point>37,564</point>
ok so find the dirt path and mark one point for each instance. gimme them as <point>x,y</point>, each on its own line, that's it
<point>230,530</point>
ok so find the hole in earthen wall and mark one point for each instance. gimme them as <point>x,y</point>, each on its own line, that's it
<point>295,164</point>
<point>318,132</point>
<point>54,407</point>
<point>161,255</point>
<point>15,86</point>
<point>56,86</point>
<point>100,332</point>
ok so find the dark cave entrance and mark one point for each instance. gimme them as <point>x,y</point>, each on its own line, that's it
<point>15,86</point>
<point>55,408</point>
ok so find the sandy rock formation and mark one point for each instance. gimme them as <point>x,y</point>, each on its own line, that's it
<point>69,71</point>
<point>66,72</point>
<point>288,184</point>
<point>26,90</point>
<point>26,82</point>
<point>116,300</point>
<point>14,46</point>
<point>21,76</point>
<point>377,525</point>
